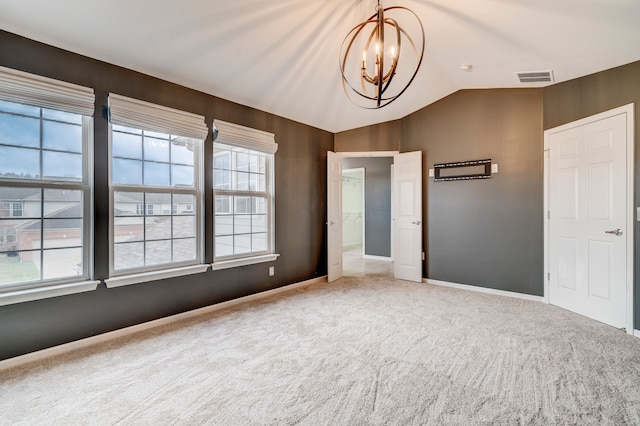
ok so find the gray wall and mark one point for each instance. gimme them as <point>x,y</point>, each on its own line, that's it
<point>593,94</point>
<point>377,202</point>
<point>300,185</point>
<point>487,233</point>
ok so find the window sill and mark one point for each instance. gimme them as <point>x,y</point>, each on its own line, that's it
<point>225,264</point>
<point>154,275</point>
<point>45,292</point>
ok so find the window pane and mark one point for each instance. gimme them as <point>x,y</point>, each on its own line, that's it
<point>156,150</point>
<point>157,252</point>
<point>224,246</point>
<point>242,224</point>
<point>62,165</point>
<point>21,163</point>
<point>184,226</point>
<point>128,172</point>
<point>156,174</point>
<point>241,181</point>
<point>19,234</point>
<point>184,250</point>
<point>61,136</point>
<point>128,255</point>
<point>242,244</point>
<point>19,267</point>
<point>222,179</point>
<point>185,203</point>
<point>259,223</point>
<point>19,131</point>
<point>182,150</point>
<point>62,203</point>
<point>222,159</point>
<point>62,263</point>
<point>7,106</point>
<point>182,176</point>
<point>157,201</point>
<point>158,135</point>
<point>67,117</point>
<point>128,203</point>
<point>223,204</point>
<point>157,228</point>
<point>62,233</point>
<point>29,198</point>
<point>242,161</point>
<point>259,242</point>
<point>128,229</point>
<point>224,225</point>
<point>117,128</point>
<point>126,145</point>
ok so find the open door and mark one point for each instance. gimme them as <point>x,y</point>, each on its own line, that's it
<point>407,223</point>
<point>334,216</point>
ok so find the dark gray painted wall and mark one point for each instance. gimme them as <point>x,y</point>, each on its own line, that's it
<point>300,179</point>
<point>487,233</point>
<point>377,202</point>
<point>593,94</point>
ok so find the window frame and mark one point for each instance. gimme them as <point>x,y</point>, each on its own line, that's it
<point>147,117</point>
<point>32,290</point>
<point>241,137</point>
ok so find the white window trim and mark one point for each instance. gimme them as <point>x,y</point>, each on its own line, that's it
<point>257,140</point>
<point>44,292</point>
<point>143,277</point>
<point>43,92</point>
<point>243,261</point>
<point>146,116</point>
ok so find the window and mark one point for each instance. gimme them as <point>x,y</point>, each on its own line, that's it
<point>155,157</point>
<point>243,161</point>
<point>45,185</point>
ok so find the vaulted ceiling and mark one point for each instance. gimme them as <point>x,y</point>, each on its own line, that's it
<point>281,56</point>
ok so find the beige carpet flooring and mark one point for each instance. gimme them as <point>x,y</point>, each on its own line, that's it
<point>363,350</point>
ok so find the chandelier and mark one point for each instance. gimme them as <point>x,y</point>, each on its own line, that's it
<point>370,57</point>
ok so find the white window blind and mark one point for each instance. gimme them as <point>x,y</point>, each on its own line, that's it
<point>147,116</point>
<point>244,137</point>
<point>24,88</point>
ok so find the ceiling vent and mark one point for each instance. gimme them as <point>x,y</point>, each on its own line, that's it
<point>535,76</point>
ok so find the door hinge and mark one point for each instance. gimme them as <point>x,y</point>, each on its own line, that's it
<point>548,214</point>
<point>548,276</point>
<point>423,257</point>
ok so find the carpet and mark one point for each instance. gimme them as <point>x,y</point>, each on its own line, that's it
<point>360,351</point>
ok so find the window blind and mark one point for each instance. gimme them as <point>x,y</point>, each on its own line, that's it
<point>156,118</point>
<point>244,137</point>
<point>24,88</point>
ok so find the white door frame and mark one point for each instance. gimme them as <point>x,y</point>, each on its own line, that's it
<point>343,155</point>
<point>630,234</point>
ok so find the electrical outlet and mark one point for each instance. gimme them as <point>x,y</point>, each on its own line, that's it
<point>272,271</point>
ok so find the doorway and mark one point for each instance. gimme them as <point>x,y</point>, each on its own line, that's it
<point>589,217</point>
<point>403,236</point>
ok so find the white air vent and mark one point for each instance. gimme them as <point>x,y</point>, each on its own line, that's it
<point>535,76</point>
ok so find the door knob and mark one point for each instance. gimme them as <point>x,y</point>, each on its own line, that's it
<point>416,222</point>
<point>616,232</point>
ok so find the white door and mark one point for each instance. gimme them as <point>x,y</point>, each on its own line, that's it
<point>587,219</point>
<point>407,222</point>
<point>334,216</point>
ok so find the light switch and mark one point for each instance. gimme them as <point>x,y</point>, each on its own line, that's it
<point>494,168</point>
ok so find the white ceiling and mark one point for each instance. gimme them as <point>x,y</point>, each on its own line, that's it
<point>281,56</point>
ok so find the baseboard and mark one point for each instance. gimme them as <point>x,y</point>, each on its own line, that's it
<point>485,290</point>
<point>93,340</point>
<point>636,333</point>
<point>372,257</point>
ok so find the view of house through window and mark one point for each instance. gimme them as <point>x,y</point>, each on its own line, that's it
<point>43,194</point>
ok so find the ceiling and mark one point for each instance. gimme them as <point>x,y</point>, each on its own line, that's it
<point>281,56</point>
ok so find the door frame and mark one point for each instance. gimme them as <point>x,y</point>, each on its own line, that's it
<point>342,155</point>
<point>359,169</point>
<point>630,234</point>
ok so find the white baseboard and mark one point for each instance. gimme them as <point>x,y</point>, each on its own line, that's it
<point>636,333</point>
<point>485,290</point>
<point>372,257</point>
<point>89,341</point>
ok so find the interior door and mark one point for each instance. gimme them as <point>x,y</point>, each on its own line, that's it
<point>407,222</point>
<point>334,216</point>
<point>588,219</point>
